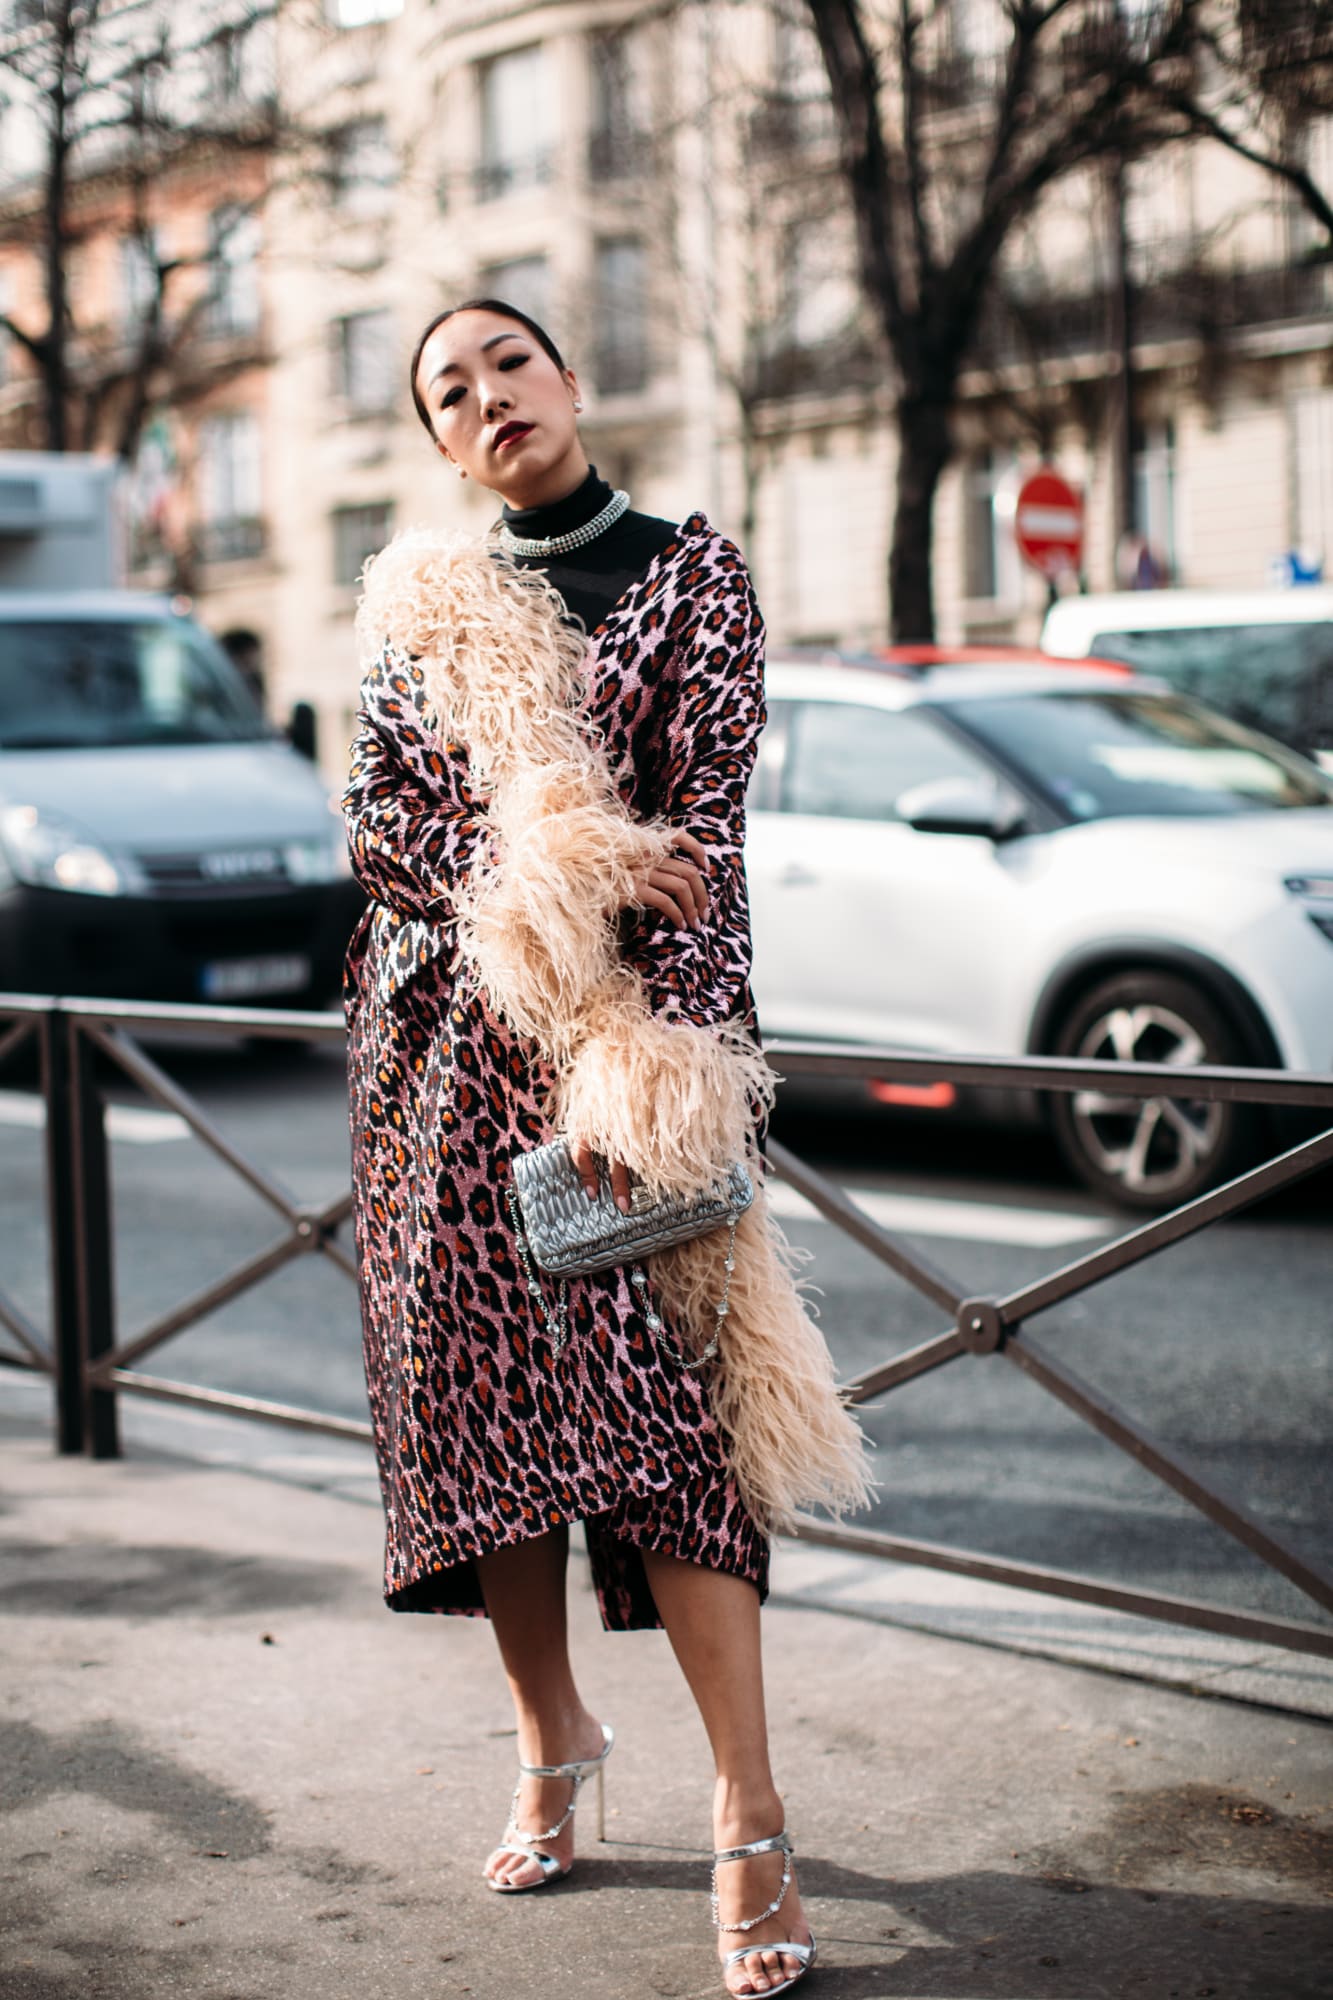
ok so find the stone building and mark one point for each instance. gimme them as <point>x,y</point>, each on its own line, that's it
<point>659,184</point>
<point>169,330</point>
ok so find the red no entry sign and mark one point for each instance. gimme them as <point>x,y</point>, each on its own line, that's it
<point>1048,523</point>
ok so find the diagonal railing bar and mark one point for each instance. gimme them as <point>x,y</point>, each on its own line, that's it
<point>834,1202</point>
<point>1126,1251</point>
<point>1208,1082</point>
<point>319,1233</point>
<point>16,1321</point>
<point>1172,1467</point>
<point>904,1367</point>
<point>157,1084</point>
<point>343,1258</point>
<point>219,1293</point>
<point>1294,1634</point>
<point>161,1390</point>
<point>13,1038</point>
<point>982,1325</point>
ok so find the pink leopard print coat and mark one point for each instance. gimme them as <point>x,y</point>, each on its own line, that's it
<point>483,1437</point>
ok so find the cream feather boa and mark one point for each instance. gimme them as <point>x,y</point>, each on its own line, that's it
<point>505,676</point>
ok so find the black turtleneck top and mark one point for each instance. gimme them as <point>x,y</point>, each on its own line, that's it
<point>593,579</point>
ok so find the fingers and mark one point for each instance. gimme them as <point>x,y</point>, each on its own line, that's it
<point>677,889</point>
<point>654,899</point>
<point>694,848</point>
<point>585,1166</point>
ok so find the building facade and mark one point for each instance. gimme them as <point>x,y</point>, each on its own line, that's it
<point>660,186</point>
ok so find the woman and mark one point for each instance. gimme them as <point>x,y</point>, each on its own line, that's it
<point>497,1421</point>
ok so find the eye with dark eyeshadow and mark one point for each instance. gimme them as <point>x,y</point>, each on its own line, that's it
<point>451,396</point>
<point>513,361</point>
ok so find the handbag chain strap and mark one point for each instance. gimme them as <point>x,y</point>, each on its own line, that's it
<point>557,1322</point>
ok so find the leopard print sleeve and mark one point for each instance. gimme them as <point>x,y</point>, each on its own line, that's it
<point>412,825</point>
<point>716,713</point>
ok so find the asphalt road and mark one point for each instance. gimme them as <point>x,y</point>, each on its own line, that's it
<point>1224,1344</point>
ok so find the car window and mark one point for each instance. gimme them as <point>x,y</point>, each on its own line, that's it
<point>1278,678</point>
<point>850,762</point>
<point>70,684</point>
<point>1103,756</point>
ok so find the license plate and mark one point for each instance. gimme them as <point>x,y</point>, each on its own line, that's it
<point>241,978</point>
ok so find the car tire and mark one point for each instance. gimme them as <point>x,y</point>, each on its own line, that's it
<point>1151,1153</point>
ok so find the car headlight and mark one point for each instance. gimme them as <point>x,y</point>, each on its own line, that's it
<point>49,851</point>
<point>324,860</point>
<point>1316,890</point>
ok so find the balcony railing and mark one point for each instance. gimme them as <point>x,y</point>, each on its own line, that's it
<point>619,156</point>
<point>789,368</point>
<point>789,125</point>
<point>495,178</point>
<point>240,539</point>
<point>1180,305</point>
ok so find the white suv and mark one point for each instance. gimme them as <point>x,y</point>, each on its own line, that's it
<point>1024,856</point>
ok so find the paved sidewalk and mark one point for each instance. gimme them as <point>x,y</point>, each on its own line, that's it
<point>228,1774</point>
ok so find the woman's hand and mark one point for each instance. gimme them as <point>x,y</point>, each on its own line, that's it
<point>676,886</point>
<point>585,1166</point>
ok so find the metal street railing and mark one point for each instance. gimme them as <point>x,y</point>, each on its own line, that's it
<point>92,1363</point>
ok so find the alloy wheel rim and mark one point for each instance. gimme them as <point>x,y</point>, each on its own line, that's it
<point>1153,1145</point>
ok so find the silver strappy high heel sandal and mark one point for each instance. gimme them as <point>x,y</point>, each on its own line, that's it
<point>526,1843</point>
<point>804,1952</point>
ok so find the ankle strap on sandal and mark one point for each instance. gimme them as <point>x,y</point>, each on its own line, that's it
<point>770,1846</point>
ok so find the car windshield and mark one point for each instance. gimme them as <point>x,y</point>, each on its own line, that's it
<point>1278,678</point>
<point>86,684</point>
<point>1113,755</point>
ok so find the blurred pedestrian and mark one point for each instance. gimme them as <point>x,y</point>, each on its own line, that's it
<point>546,806</point>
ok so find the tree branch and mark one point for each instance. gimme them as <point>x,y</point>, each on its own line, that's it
<point>854,79</point>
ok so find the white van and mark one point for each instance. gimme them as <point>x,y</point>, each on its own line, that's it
<point>1264,656</point>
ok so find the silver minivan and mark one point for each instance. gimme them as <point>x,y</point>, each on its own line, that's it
<point>159,839</point>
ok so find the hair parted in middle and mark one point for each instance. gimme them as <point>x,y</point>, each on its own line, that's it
<point>498,306</point>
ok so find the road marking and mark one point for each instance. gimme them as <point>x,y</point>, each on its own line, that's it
<point>138,1125</point>
<point>965,1221</point>
<point>919,1215</point>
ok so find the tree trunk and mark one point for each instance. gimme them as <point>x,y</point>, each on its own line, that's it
<point>924,449</point>
<point>55,347</point>
<point>55,383</point>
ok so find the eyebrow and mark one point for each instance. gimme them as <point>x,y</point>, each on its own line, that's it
<point>451,367</point>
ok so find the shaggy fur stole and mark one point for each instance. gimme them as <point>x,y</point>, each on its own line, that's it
<point>505,675</point>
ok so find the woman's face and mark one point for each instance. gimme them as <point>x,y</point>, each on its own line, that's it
<point>500,409</point>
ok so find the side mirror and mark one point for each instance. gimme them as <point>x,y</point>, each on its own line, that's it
<point>987,810</point>
<point>303,730</point>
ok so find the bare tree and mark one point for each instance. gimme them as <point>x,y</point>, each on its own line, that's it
<point>1261,76</point>
<point>117,95</point>
<point>947,148</point>
<point>735,187</point>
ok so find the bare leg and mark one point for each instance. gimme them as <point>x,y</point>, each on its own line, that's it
<point>712,1620</point>
<point>524,1589</point>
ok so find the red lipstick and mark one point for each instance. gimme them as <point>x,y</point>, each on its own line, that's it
<point>510,434</point>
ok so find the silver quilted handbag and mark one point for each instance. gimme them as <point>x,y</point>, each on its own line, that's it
<point>569,1235</point>
<point>561,1231</point>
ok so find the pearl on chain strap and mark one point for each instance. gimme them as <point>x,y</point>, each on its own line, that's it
<point>576,538</point>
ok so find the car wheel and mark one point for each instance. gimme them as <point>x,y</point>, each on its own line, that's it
<point>1155,1152</point>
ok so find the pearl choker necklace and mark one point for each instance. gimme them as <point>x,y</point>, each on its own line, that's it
<point>561,545</point>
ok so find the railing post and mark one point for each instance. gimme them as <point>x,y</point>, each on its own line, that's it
<point>62,1232</point>
<point>92,1197</point>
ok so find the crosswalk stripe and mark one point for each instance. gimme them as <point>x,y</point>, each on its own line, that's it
<point>139,1125</point>
<point>965,1221</point>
